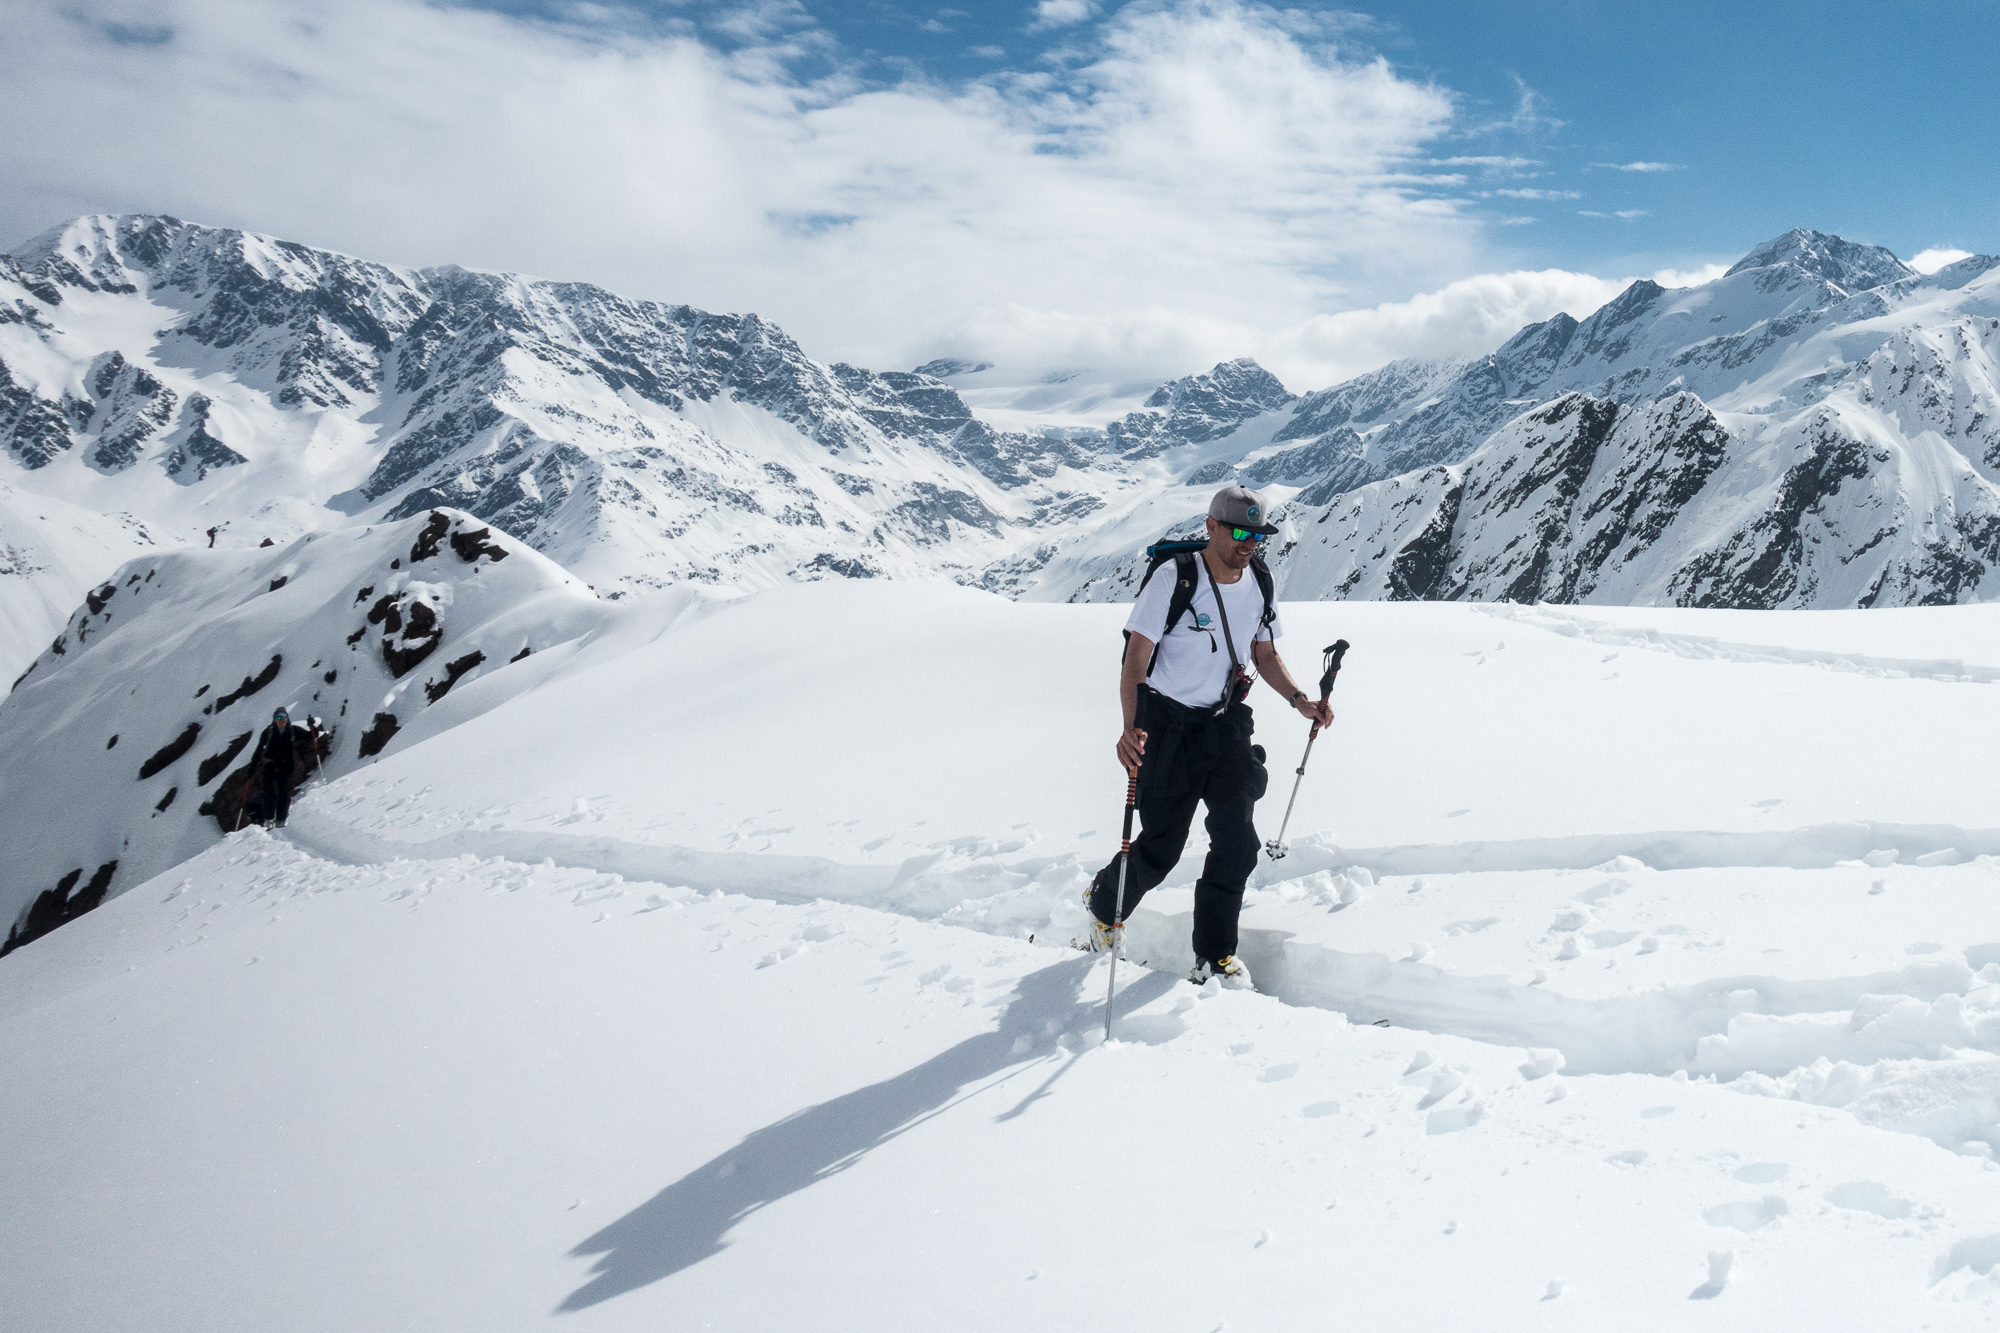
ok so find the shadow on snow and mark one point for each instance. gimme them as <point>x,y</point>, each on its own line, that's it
<point>690,1219</point>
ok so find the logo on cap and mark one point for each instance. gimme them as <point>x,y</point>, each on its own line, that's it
<point>1255,517</point>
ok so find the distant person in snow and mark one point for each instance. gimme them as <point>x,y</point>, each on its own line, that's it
<point>274,761</point>
<point>1187,728</point>
<point>211,536</point>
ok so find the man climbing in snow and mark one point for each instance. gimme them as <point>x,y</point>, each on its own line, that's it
<point>273,762</point>
<point>1187,728</point>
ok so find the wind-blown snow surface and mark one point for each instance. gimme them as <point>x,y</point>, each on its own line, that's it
<point>686,981</point>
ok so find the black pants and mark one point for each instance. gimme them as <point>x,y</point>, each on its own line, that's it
<point>1193,757</point>
<point>277,793</point>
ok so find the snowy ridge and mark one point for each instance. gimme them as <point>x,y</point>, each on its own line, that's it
<point>192,376</point>
<point>172,667</point>
<point>200,376</point>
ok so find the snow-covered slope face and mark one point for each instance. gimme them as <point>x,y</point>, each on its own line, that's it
<point>202,377</point>
<point>128,740</point>
<point>1820,427</point>
<point>51,553</point>
<point>699,957</point>
<point>1586,500</point>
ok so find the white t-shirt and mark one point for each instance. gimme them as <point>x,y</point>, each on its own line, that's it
<point>1193,665</point>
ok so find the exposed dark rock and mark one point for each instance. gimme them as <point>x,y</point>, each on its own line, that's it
<point>202,449</point>
<point>171,751</point>
<point>427,541</point>
<point>1419,570</point>
<point>279,582</point>
<point>435,690</point>
<point>828,563</point>
<point>518,656</point>
<point>471,545</point>
<point>112,744</point>
<point>32,428</point>
<point>378,734</point>
<point>55,907</point>
<point>220,760</point>
<point>167,800</point>
<point>420,636</point>
<point>251,684</point>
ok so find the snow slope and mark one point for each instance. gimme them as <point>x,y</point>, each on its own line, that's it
<point>129,738</point>
<point>687,979</point>
<point>51,554</point>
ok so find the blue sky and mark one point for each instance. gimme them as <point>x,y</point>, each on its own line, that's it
<point>1139,189</point>
<point>1870,120</point>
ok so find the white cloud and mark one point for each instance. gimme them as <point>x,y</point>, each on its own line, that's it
<point>1689,277</point>
<point>1935,258</point>
<point>1623,214</point>
<point>1194,181</point>
<point>1538,194</point>
<point>1195,170</point>
<point>1061,13</point>
<point>1463,318</point>
<point>1640,166</point>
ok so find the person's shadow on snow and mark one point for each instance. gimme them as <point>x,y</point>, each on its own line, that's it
<point>689,1220</point>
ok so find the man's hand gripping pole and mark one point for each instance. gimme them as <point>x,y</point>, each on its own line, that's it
<point>1330,658</point>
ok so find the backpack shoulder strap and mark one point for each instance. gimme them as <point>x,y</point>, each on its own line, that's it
<point>1184,585</point>
<point>1181,599</point>
<point>1267,586</point>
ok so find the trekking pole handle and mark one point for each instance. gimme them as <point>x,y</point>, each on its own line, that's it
<point>1330,655</point>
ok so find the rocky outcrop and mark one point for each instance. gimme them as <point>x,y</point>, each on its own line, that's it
<point>1585,500</point>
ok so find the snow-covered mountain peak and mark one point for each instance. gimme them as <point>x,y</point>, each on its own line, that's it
<point>1849,265</point>
<point>1209,405</point>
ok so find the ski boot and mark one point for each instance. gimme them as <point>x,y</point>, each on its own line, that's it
<point>1231,972</point>
<point>1100,938</point>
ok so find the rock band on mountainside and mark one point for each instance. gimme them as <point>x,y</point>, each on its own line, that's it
<point>1187,728</point>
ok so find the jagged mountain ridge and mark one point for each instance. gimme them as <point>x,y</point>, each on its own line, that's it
<point>192,376</point>
<point>1850,445</point>
<point>198,376</point>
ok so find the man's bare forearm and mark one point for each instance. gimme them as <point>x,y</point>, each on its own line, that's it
<point>1264,655</point>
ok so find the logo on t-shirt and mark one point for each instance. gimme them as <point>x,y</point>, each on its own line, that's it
<point>1201,620</point>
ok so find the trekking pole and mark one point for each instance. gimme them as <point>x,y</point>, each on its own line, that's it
<point>1118,912</point>
<point>1330,659</point>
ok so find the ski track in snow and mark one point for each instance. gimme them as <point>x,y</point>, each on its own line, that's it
<point>1694,1194</point>
<point>1558,620</point>
<point>1677,1028</point>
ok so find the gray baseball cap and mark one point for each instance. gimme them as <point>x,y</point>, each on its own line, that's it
<point>1241,507</point>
